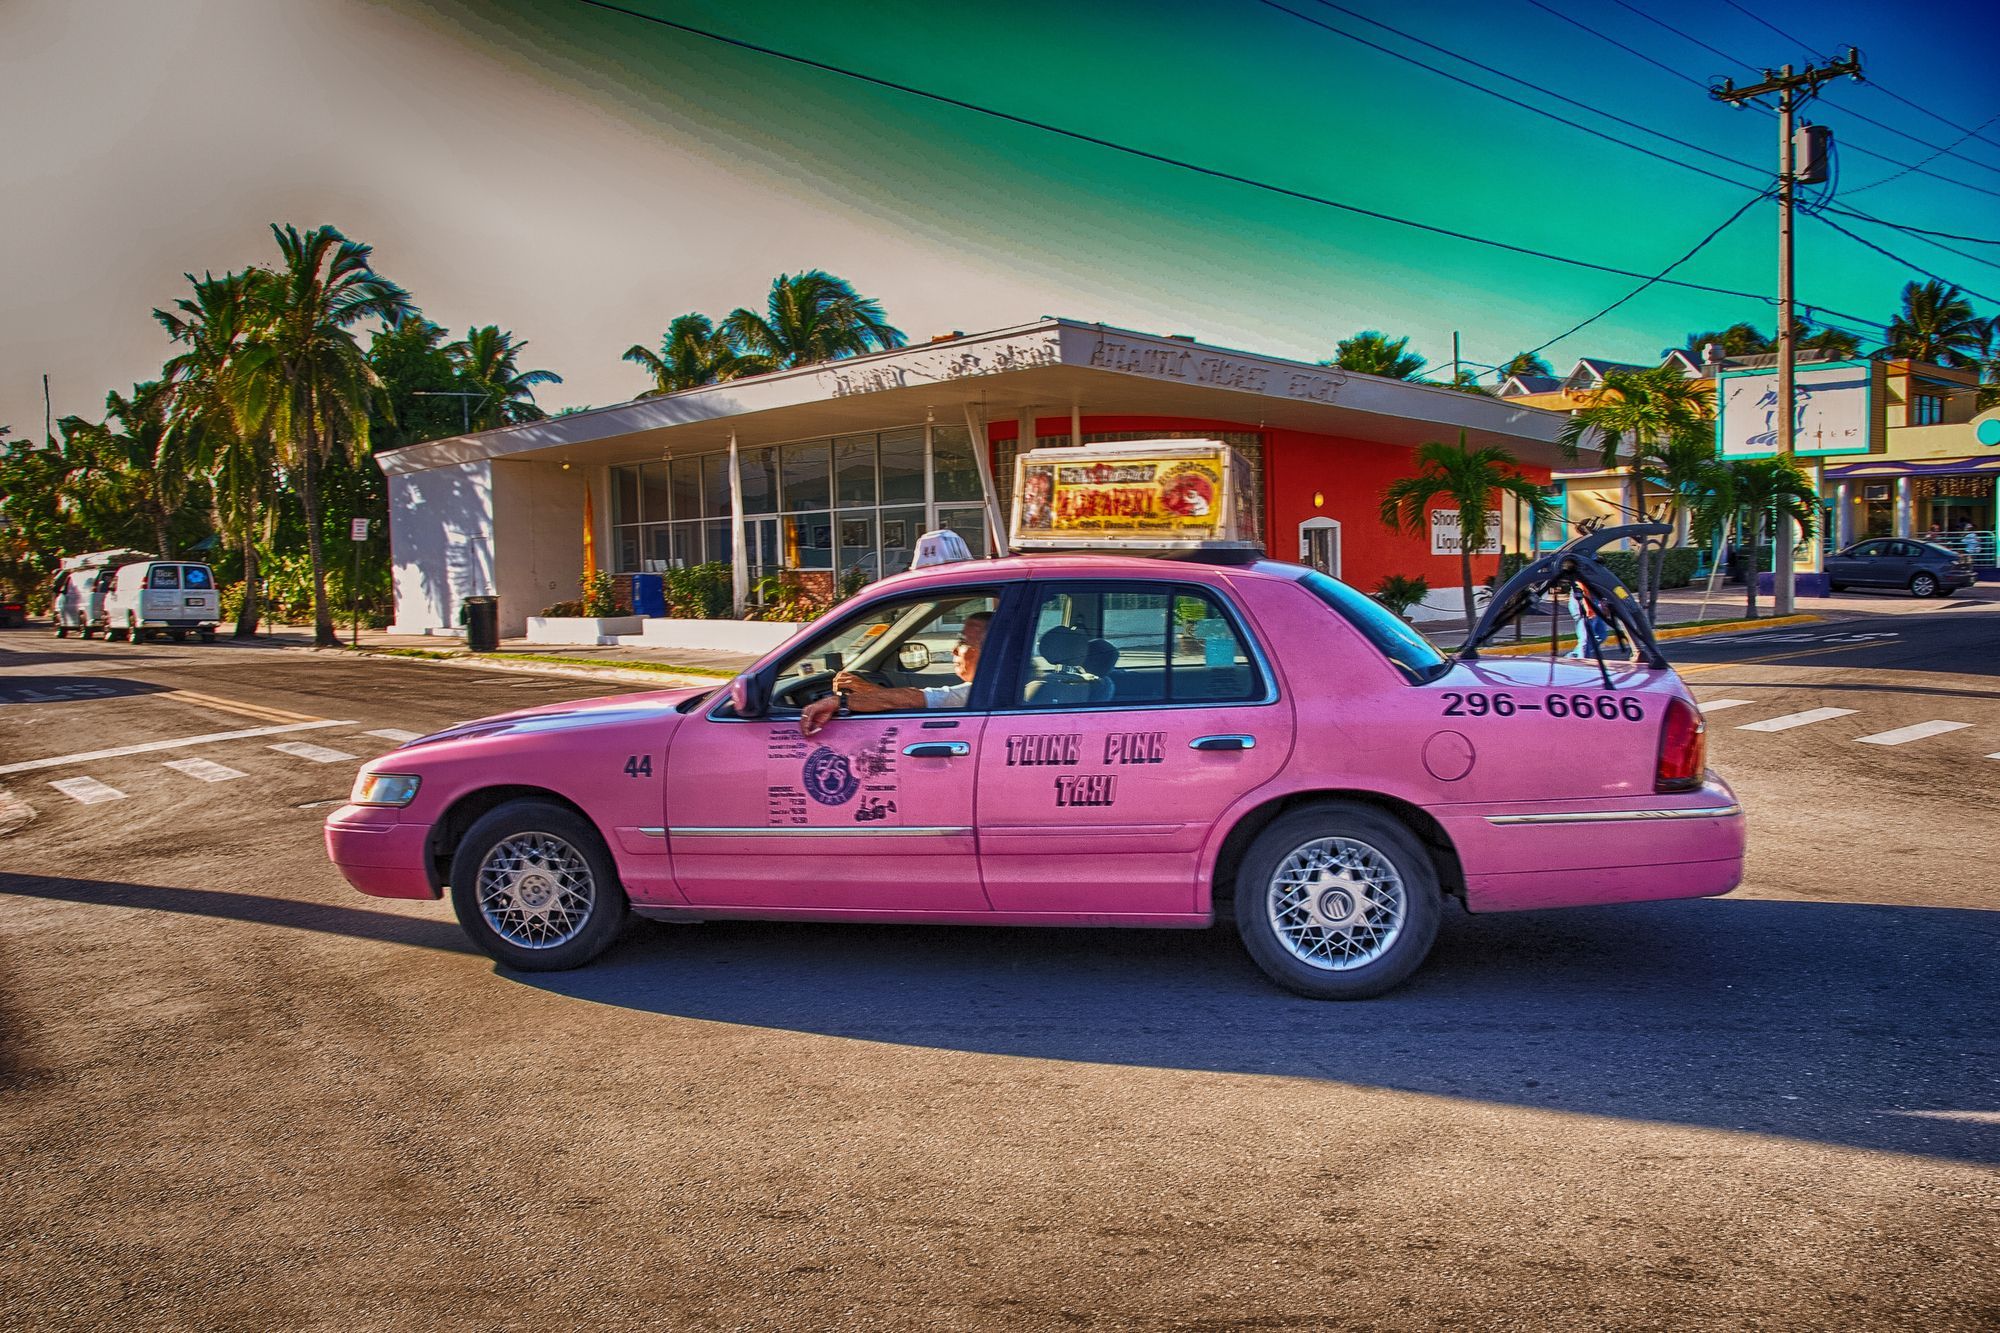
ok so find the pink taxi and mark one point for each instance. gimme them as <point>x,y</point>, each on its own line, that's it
<point>1071,740</point>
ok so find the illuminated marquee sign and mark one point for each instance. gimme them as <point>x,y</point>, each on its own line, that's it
<point>1145,494</point>
<point>1834,410</point>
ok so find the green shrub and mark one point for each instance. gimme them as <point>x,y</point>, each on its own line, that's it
<point>570,608</point>
<point>700,592</point>
<point>1400,592</point>
<point>600,596</point>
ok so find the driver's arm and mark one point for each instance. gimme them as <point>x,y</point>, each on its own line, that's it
<point>865,696</point>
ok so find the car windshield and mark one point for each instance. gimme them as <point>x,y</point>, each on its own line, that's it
<point>1413,655</point>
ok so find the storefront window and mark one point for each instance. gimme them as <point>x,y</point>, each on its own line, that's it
<point>654,506</point>
<point>952,463</point>
<point>900,530</point>
<point>903,466</point>
<point>854,470</point>
<point>624,495</point>
<point>759,470</point>
<point>809,540</point>
<point>969,524</point>
<point>686,486</point>
<point>806,481</point>
<point>715,485</point>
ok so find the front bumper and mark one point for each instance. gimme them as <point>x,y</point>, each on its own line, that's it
<point>378,854</point>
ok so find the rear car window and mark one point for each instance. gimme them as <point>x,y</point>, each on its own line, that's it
<point>165,576</point>
<point>195,576</point>
<point>1120,646</point>
<point>1410,652</point>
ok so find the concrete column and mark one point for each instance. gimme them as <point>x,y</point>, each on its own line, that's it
<point>1904,507</point>
<point>996,522</point>
<point>1843,512</point>
<point>1075,425</point>
<point>739,555</point>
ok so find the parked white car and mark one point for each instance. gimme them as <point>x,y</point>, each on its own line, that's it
<point>77,601</point>
<point>176,597</point>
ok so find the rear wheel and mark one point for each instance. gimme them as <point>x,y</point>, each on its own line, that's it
<point>208,636</point>
<point>535,888</point>
<point>1924,585</point>
<point>1337,901</point>
<point>1836,587</point>
<point>62,630</point>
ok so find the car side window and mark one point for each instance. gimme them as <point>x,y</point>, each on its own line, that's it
<point>1158,645</point>
<point>165,576</point>
<point>1898,549</point>
<point>899,643</point>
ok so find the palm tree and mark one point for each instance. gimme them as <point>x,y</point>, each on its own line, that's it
<point>1837,343</point>
<point>301,374</point>
<point>1739,339</point>
<point>1467,479</point>
<point>1764,487</point>
<point>487,362</point>
<point>115,466</point>
<point>1685,467</point>
<point>1527,363</point>
<point>1371,352</point>
<point>1632,410</point>
<point>810,317</point>
<point>692,353</point>
<point>1936,324</point>
<point>202,433</point>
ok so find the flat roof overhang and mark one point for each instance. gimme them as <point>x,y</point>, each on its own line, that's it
<point>1046,368</point>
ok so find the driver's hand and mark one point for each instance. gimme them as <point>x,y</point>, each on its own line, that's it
<point>815,715</point>
<point>849,683</point>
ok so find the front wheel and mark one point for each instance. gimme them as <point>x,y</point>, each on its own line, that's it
<point>535,889</point>
<point>1924,585</point>
<point>1836,587</point>
<point>62,630</point>
<point>1337,901</point>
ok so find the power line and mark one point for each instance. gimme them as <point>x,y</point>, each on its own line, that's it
<point>1890,254</point>
<point>1682,33</point>
<point>1927,161</point>
<point>1631,51</point>
<point>1511,101</point>
<point>1526,83</point>
<point>1213,173</point>
<point>1656,278</point>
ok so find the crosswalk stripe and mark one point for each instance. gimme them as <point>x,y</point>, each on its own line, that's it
<point>207,770</point>
<point>151,747</point>
<point>395,734</point>
<point>1904,735</point>
<point>319,754</point>
<point>1790,720</point>
<point>87,790</point>
<point>1717,705</point>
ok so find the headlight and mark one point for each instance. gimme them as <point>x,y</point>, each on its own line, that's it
<point>384,788</point>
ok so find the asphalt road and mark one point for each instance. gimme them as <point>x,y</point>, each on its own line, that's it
<point>239,1093</point>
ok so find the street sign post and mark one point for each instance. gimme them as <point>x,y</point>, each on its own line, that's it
<point>357,532</point>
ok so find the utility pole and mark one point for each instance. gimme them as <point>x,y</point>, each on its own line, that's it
<point>1794,89</point>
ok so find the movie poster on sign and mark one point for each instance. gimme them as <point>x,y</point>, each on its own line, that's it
<point>1445,534</point>
<point>1159,493</point>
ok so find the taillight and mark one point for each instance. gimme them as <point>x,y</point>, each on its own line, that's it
<point>1683,748</point>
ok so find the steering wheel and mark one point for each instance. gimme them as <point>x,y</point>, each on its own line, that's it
<point>802,690</point>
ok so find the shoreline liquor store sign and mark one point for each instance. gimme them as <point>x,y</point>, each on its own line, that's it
<point>1445,538</point>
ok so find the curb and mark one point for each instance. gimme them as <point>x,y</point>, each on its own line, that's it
<point>661,680</point>
<point>1678,632</point>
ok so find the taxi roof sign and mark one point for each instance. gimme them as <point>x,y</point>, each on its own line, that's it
<point>1135,495</point>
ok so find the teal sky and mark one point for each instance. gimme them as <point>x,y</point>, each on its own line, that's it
<point>582,177</point>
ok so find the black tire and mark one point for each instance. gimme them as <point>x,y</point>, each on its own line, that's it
<point>1836,587</point>
<point>62,630</point>
<point>1392,843</point>
<point>539,822</point>
<point>208,636</point>
<point>179,636</point>
<point>1925,585</point>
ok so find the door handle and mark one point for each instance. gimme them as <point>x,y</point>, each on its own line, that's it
<point>937,749</point>
<point>1223,743</point>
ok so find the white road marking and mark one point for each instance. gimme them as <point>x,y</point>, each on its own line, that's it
<point>395,734</point>
<point>204,769</point>
<point>88,790</point>
<point>1717,705</point>
<point>319,754</point>
<point>152,747</point>
<point>1904,735</point>
<point>1790,720</point>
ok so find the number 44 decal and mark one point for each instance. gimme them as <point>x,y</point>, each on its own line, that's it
<point>639,766</point>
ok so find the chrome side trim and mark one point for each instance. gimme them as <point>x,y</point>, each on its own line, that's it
<point>1619,816</point>
<point>653,832</point>
<point>906,831</point>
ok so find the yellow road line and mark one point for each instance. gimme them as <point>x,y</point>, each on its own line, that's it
<point>257,711</point>
<point>1773,657</point>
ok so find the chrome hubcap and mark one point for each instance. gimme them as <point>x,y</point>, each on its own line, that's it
<point>1336,903</point>
<point>535,890</point>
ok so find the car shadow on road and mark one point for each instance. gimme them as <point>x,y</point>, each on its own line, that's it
<point>1868,1026</point>
<point>1840,1023</point>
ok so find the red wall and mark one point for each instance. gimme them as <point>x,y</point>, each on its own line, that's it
<point>1350,474</point>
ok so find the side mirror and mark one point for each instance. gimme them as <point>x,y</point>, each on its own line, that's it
<point>750,695</point>
<point>914,656</point>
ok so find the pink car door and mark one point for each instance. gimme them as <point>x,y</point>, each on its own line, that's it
<point>872,813</point>
<point>1133,715</point>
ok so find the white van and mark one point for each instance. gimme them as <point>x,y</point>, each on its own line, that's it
<point>177,597</point>
<point>77,601</point>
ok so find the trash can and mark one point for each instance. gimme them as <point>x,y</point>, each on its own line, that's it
<point>482,624</point>
<point>649,595</point>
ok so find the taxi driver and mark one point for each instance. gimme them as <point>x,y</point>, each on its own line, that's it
<point>865,696</point>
